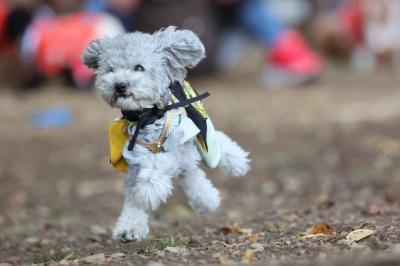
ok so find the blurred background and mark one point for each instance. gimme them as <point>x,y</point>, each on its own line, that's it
<point>310,87</point>
<point>44,39</point>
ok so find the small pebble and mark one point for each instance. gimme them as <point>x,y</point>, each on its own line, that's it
<point>32,240</point>
<point>95,259</point>
<point>64,262</point>
<point>118,255</point>
<point>356,246</point>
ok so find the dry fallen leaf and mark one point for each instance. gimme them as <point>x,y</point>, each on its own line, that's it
<point>253,238</point>
<point>320,229</point>
<point>249,256</point>
<point>236,229</point>
<point>358,234</point>
<point>377,209</point>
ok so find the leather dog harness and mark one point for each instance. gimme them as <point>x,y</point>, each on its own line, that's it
<point>150,115</point>
<point>155,146</point>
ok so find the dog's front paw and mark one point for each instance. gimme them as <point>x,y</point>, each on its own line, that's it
<point>131,228</point>
<point>130,232</point>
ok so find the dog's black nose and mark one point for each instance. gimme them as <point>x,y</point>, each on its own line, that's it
<point>120,88</point>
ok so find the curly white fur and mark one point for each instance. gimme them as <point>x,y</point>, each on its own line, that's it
<point>164,58</point>
<point>202,195</point>
<point>234,159</point>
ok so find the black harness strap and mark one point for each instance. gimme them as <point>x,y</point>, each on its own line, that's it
<point>144,119</point>
<point>150,115</point>
<point>186,102</point>
<point>197,118</point>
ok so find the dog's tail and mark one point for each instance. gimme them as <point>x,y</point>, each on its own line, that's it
<point>234,159</point>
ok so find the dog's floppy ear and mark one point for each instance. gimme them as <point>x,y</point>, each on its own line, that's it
<point>181,49</point>
<point>91,54</point>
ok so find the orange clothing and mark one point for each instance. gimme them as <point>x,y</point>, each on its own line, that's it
<point>61,40</point>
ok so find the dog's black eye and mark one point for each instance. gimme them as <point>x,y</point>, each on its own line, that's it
<point>110,69</point>
<point>139,68</point>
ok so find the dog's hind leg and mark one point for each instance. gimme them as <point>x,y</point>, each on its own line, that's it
<point>202,195</point>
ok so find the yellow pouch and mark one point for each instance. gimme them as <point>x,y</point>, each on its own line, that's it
<point>117,138</point>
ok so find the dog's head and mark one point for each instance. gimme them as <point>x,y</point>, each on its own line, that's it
<point>134,70</point>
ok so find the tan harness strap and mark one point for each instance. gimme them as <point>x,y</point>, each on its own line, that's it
<point>155,147</point>
<point>183,111</point>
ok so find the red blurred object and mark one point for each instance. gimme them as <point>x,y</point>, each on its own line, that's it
<point>7,46</point>
<point>291,53</point>
<point>3,17</point>
<point>61,41</point>
<point>351,17</point>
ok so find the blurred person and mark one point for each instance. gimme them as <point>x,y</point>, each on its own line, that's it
<point>289,59</point>
<point>15,17</point>
<point>197,16</point>
<point>3,17</point>
<point>291,12</point>
<point>382,28</point>
<point>123,9</point>
<point>367,31</point>
<point>54,41</point>
<point>338,26</point>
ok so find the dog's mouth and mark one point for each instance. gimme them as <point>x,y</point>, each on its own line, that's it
<point>118,96</point>
<point>123,96</point>
<point>129,101</point>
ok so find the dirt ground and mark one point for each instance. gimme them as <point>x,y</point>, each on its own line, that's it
<point>325,153</point>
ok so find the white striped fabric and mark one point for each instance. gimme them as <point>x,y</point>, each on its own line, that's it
<point>180,131</point>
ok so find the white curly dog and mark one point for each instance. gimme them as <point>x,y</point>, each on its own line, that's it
<point>133,73</point>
